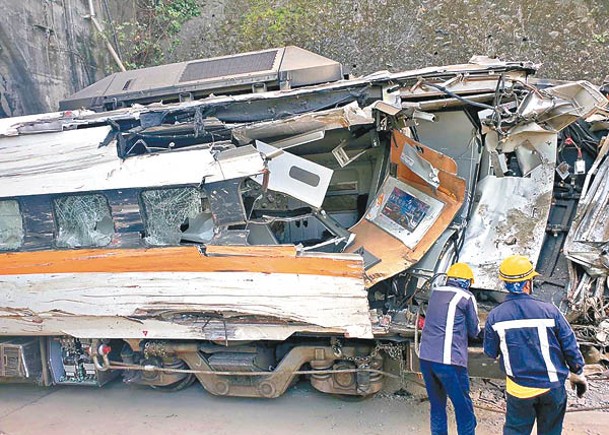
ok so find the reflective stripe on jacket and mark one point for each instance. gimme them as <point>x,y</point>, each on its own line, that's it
<point>536,344</point>
<point>451,316</point>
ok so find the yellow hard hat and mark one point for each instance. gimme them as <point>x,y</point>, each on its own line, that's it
<point>516,268</point>
<point>461,271</point>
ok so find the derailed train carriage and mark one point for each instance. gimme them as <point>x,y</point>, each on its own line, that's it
<point>245,220</point>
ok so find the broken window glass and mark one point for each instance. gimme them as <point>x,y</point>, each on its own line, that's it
<point>83,221</point>
<point>169,213</point>
<point>11,226</point>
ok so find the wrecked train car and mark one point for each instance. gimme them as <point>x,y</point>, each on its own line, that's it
<point>244,220</point>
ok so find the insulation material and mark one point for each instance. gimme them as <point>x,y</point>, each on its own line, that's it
<point>83,221</point>
<point>167,211</point>
<point>11,226</point>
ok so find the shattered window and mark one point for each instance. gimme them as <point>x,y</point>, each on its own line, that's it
<point>83,221</point>
<point>168,213</point>
<point>11,226</point>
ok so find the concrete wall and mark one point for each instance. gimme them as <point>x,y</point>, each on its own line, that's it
<point>569,37</point>
<point>47,51</point>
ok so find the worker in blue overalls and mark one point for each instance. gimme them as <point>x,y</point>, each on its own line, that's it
<point>537,349</point>
<point>452,316</point>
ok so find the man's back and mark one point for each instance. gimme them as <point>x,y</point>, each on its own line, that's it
<point>451,316</point>
<point>536,343</point>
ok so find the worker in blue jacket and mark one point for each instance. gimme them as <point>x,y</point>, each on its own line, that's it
<point>537,350</point>
<point>452,316</point>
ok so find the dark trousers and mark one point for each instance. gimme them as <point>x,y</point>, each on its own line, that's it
<point>548,408</point>
<point>442,380</point>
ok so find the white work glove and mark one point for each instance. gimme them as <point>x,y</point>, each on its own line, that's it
<point>579,382</point>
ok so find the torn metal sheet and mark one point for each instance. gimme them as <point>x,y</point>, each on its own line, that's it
<point>528,158</point>
<point>347,116</point>
<point>231,238</point>
<point>226,202</point>
<point>453,133</point>
<point>510,214</point>
<point>73,161</point>
<point>236,163</point>
<point>587,242</point>
<point>200,228</point>
<point>183,327</point>
<point>341,156</point>
<point>39,123</point>
<point>279,296</point>
<point>412,159</point>
<point>199,251</point>
<point>295,176</point>
<point>572,101</point>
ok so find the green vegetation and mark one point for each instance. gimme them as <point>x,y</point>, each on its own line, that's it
<point>153,35</point>
<point>270,23</point>
<point>601,38</point>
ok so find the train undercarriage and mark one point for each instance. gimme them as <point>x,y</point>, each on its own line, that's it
<point>266,370</point>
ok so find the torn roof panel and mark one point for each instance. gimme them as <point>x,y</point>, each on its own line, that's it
<point>74,161</point>
<point>347,116</point>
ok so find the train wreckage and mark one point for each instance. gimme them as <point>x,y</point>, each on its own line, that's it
<point>245,220</point>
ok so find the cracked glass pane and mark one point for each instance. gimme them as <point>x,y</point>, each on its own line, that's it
<point>83,221</point>
<point>11,226</point>
<point>168,213</point>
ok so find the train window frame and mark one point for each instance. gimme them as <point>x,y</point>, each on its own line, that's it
<point>56,242</point>
<point>21,224</point>
<point>144,212</point>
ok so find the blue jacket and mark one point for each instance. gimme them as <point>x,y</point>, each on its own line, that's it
<point>536,344</point>
<point>451,316</point>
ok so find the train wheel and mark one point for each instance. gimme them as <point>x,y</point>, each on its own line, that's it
<point>180,385</point>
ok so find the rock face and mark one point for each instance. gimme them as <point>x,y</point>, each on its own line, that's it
<point>569,37</point>
<point>47,51</point>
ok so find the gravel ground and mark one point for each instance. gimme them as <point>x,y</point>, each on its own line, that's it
<point>121,409</point>
<point>490,394</point>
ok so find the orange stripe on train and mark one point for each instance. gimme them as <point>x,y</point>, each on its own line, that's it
<point>276,259</point>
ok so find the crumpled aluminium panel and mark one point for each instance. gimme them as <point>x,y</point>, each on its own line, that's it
<point>83,221</point>
<point>166,211</point>
<point>11,226</point>
<point>500,227</point>
<point>588,240</point>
